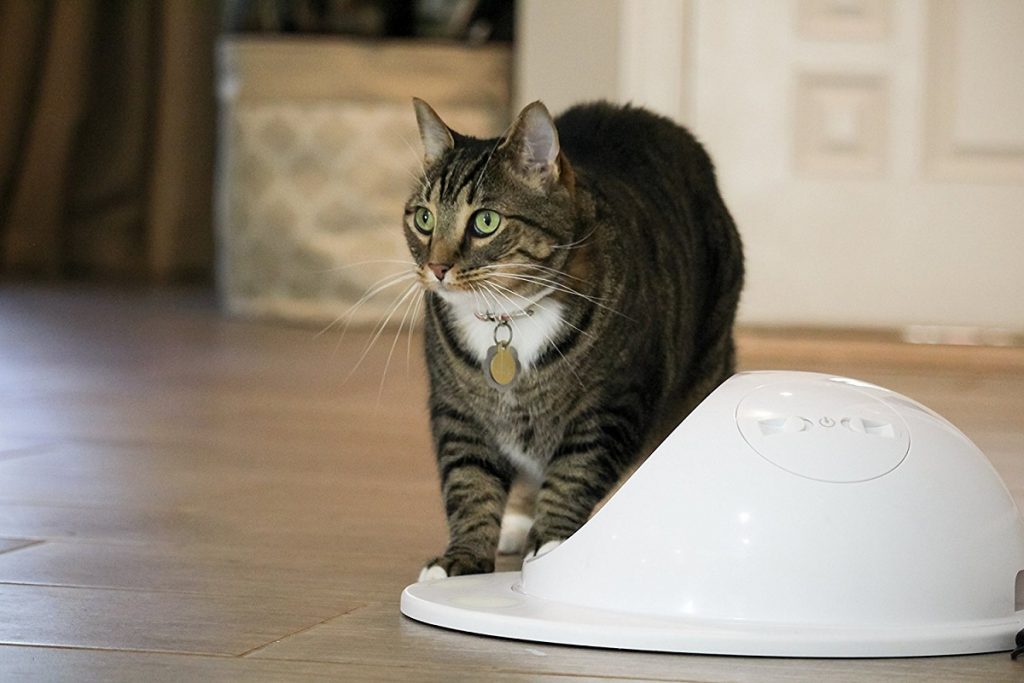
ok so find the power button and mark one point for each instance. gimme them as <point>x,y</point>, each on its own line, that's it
<point>827,422</point>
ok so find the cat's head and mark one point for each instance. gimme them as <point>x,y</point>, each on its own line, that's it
<point>490,224</point>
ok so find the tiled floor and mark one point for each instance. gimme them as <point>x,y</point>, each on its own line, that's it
<point>185,497</point>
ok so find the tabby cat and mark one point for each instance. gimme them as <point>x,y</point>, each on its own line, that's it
<point>581,278</point>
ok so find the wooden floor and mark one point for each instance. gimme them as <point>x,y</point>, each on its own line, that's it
<point>185,497</point>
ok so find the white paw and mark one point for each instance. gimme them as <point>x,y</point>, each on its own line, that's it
<point>515,527</point>
<point>433,572</point>
<point>542,551</point>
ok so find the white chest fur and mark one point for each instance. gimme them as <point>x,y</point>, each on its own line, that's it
<point>531,335</point>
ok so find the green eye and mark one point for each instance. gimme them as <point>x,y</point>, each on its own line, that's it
<point>424,220</point>
<point>485,222</point>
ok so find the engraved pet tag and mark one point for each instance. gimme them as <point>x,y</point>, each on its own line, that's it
<point>502,365</point>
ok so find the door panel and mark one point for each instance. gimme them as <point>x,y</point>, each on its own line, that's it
<point>873,154</point>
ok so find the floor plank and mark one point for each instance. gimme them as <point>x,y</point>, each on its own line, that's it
<point>68,664</point>
<point>282,571</point>
<point>75,616</point>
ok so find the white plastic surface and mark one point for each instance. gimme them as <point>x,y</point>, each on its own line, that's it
<point>790,514</point>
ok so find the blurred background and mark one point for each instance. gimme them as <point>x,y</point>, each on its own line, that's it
<point>872,152</point>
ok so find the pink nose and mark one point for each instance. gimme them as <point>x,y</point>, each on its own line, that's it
<point>439,269</point>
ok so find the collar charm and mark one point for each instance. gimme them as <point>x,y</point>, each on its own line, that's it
<point>502,365</point>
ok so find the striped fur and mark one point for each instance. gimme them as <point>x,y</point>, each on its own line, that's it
<point>613,231</point>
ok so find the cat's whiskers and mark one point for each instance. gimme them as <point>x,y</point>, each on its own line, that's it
<point>506,269</point>
<point>380,327</point>
<point>558,286</point>
<point>554,271</point>
<point>484,281</point>
<point>534,302</point>
<point>373,290</point>
<point>496,306</point>
<point>417,306</point>
<point>535,266</point>
<point>538,304</point>
<point>477,296</point>
<point>495,272</point>
<point>398,334</point>
<point>597,301</point>
<point>489,307</point>
<point>576,244</point>
<point>516,312</point>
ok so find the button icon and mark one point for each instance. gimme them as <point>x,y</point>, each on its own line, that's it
<point>869,427</point>
<point>783,425</point>
<point>827,422</point>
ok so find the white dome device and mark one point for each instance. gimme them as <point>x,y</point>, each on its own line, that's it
<point>790,514</point>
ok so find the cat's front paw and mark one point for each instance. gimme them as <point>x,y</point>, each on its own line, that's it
<point>456,565</point>
<point>432,572</point>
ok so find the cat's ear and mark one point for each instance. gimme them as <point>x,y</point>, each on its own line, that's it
<point>437,137</point>
<point>532,143</point>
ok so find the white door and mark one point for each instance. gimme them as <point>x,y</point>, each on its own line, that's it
<point>872,152</point>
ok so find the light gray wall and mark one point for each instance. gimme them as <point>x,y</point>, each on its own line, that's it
<point>567,52</point>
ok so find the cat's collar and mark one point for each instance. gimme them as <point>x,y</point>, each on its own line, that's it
<point>491,317</point>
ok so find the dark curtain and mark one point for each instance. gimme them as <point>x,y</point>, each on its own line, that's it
<point>107,133</point>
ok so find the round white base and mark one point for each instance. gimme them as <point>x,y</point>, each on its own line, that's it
<point>493,605</point>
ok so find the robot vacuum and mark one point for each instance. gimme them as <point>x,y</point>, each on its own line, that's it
<point>791,514</point>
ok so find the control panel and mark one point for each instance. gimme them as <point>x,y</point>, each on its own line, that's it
<point>823,430</point>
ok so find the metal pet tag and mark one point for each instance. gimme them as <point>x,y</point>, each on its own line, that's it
<point>502,364</point>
